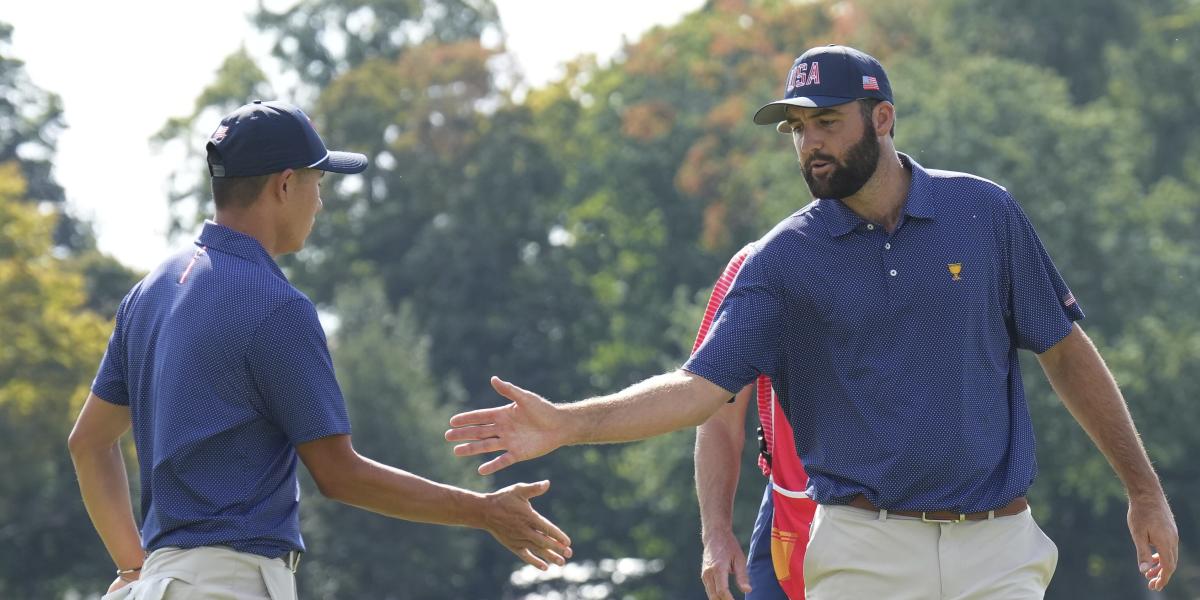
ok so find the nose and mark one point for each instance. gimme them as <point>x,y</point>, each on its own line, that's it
<point>807,143</point>
<point>813,139</point>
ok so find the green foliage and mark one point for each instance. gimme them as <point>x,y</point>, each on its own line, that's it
<point>238,80</point>
<point>398,410</point>
<point>51,345</point>
<point>30,121</point>
<point>322,38</point>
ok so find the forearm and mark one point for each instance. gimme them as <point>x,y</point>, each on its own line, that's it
<point>653,407</point>
<point>104,485</point>
<point>1083,382</point>
<point>719,443</point>
<point>396,493</point>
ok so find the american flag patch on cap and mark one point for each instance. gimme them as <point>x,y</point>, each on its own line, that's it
<point>219,134</point>
<point>870,83</point>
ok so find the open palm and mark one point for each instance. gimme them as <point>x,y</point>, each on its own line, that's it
<point>528,427</point>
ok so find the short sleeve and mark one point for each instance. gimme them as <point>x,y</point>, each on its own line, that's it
<point>744,340</point>
<point>1041,308</point>
<point>293,372</point>
<point>109,384</point>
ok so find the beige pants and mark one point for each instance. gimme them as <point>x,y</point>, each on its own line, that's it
<point>854,554</point>
<point>209,573</point>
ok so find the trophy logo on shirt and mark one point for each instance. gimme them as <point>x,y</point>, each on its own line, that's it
<point>955,270</point>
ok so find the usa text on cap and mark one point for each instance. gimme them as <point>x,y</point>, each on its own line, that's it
<point>828,76</point>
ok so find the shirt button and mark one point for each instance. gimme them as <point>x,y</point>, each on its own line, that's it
<point>892,272</point>
<point>871,226</point>
<point>887,246</point>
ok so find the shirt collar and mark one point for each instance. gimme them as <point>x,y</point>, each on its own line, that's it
<point>920,202</point>
<point>218,237</point>
<point>840,220</point>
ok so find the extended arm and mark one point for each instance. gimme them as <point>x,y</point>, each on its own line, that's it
<point>103,482</point>
<point>531,426</point>
<point>344,475</point>
<point>1090,393</point>
<point>719,443</point>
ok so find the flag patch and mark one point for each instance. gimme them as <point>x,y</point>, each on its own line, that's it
<point>870,83</point>
<point>1069,300</point>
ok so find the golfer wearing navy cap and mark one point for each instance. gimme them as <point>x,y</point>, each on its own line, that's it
<point>221,368</point>
<point>888,314</point>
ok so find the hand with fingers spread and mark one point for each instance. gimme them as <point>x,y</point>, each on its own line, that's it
<point>723,554</point>
<point>1155,537</point>
<point>512,520</point>
<point>527,428</point>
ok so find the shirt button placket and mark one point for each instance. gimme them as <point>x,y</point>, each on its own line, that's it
<point>889,265</point>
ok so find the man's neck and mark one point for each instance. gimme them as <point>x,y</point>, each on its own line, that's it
<point>251,224</point>
<point>882,198</point>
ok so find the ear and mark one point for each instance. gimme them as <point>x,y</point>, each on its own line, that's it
<point>287,177</point>
<point>883,118</point>
<point>291,176</point>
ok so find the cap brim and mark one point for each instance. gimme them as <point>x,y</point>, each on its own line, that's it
<point>777,111</point>
<point>348,163</point>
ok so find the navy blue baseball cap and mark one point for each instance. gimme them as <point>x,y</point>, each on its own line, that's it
<point>261,138</point>
<point>828,76</point>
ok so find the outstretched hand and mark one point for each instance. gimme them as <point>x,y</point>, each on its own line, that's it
<point>527,428</point>
<point>511,519</point>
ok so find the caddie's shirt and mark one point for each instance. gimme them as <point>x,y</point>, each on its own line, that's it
<point>225,369</point>
<point>895,354</point>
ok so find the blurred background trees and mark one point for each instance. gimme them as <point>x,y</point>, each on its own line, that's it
<point>564,237</point>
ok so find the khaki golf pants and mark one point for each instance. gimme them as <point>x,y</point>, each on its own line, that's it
<point>856,554</point>
<point>209,573</point>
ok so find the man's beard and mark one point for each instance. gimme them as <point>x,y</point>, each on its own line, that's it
<point>846,177</point>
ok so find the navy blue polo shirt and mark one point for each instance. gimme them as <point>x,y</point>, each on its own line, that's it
<point>895,354</point>
<point>225,369</point>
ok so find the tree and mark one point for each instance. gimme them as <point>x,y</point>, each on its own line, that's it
<point>238,80</point>
<point>52,345</point>
<point>30,121</point>
<point>321,39</point>
<point>398,410</point>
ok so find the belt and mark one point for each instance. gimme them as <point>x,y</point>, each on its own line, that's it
<point>1018,505</point>
<point>292,560</point>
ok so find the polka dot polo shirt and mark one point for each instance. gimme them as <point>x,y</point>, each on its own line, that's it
<point>225,368</point>
<point>894,353</point>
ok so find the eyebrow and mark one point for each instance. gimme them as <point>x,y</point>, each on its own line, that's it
<point>793,117</point>
<point>824,112</point>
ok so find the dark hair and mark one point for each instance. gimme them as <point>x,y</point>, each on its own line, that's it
<point>866,106</point>
<point>237,192</point>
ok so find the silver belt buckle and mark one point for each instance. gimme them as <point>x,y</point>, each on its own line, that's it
<point>961,517</point>
<point>292,560</point>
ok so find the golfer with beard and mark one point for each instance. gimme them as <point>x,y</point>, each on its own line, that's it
<point>888,314</point>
